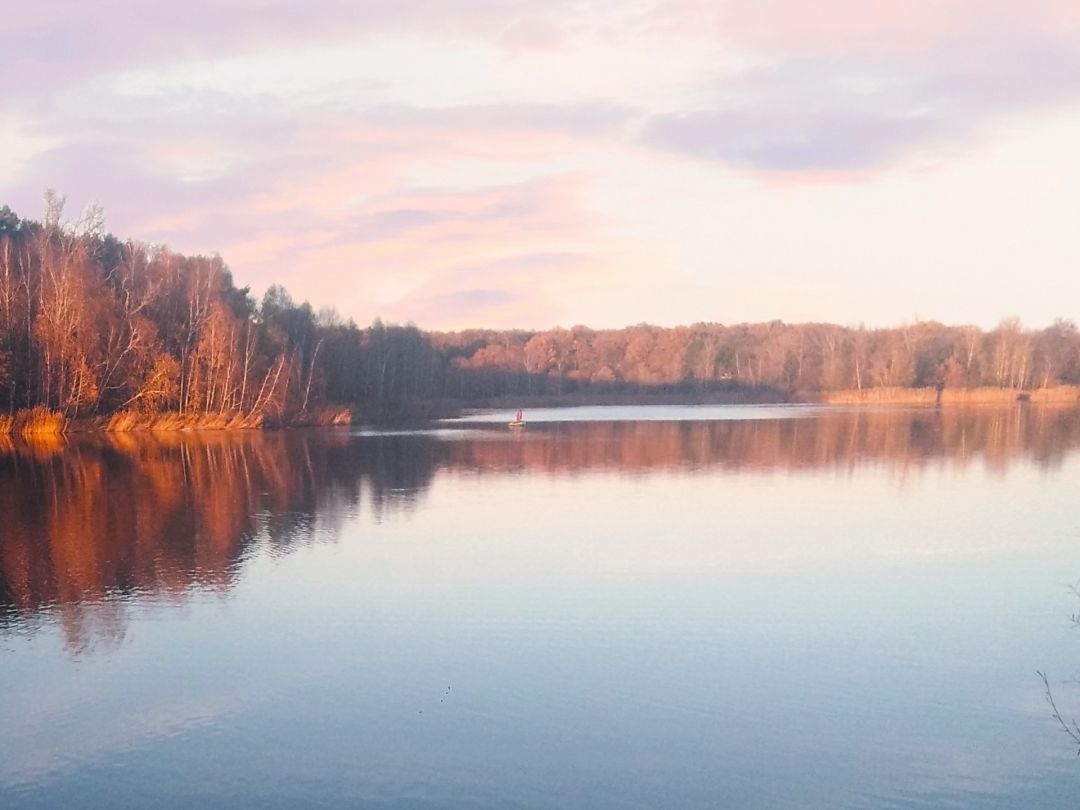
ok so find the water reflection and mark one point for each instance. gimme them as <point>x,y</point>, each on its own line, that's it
<point>903,439</point>
<point>91,522</point>
<point>841,610</point>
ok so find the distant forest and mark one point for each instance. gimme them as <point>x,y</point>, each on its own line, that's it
<point>92,326</point>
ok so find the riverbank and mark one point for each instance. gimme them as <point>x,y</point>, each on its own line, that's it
<point>43,421</point>
<point>931,397</point>
<point>1065,396</point>
<point>37,421</point>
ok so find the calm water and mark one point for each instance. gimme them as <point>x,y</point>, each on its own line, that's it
<point>750,607</point>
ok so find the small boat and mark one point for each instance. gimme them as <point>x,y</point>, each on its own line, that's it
<point>519,419</point>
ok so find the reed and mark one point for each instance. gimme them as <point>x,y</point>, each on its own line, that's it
<point>882,396</point>
<point>171,420</point>
<point>1056,395</point>
<point>39,420</point>
<point>42,421</point>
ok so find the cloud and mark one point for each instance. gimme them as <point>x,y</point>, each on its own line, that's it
<point>388,156</point>
<point>798,29</point>
<point>512,291</point>
<point>51,43</point>
<point>477,306</point>
<point>205,174</point>
<point>779,141</point>
<point>848,86</point>
<point>411,253</point>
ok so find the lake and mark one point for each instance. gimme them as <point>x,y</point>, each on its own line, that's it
<point>746,607</point>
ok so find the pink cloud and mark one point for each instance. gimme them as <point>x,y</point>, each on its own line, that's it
<point>342,198</point>
<point>531,34</point>
<point>443,257</point>
<point>794,28</point>
<point>846,87</point>
<point>51,43</point>
<point>408,256</point>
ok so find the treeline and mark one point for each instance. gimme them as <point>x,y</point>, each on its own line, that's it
<point>92,326</point>
<point>790,360</point>
<point>99,328</point>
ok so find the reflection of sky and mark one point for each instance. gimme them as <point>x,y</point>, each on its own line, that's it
<point>808,638</point>
<point>644,413</point>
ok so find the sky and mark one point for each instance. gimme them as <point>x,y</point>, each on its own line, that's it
<point>502,163</point>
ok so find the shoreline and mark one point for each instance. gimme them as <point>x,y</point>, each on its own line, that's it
<point>41,421</point>
<point>1064,395</point>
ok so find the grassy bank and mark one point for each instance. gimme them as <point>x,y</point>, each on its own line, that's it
<point>126,421</point>
<point>32,422</point>
<point>42,421</point>
<point>929,397</point>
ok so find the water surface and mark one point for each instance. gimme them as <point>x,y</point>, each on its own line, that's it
<point>810,608</point>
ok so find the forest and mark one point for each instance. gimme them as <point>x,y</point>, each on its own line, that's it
<point>95,330</point>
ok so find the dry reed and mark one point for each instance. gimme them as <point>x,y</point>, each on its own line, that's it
<point>1057,395</point>
<point>42,421</point>
<point>39,420</point>
<point>132,420</point>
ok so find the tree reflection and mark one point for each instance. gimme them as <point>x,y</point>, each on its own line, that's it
<point>902,439</point>
<point>91,523</point>
<point>97,520</point>
<point>1067,725</point>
